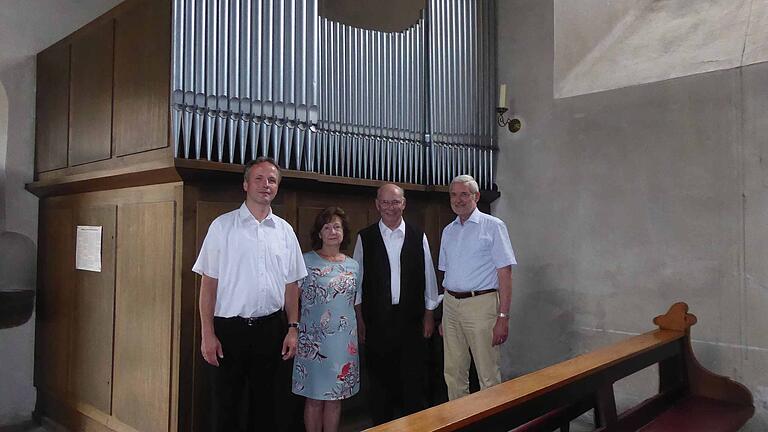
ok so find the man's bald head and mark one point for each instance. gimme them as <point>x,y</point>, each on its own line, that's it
<point>390,188</point>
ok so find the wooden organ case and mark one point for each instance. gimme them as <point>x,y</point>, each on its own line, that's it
<point>119,349</point>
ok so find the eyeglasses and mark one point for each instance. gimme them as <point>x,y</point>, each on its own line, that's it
<point>393,203</point>
<point>464,195</point>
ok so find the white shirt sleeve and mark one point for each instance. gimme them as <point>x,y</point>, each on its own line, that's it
<point>431,298</point>
<point>207,263</point>
<point>297,269</point>
<point>501,249</point>
<point>357,255</point>
<point>442,259</point>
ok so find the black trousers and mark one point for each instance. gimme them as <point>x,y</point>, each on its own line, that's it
<point>246,383</point>
<point>398,374</point>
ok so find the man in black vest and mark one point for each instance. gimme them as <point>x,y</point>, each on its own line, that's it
<point>394,308</point>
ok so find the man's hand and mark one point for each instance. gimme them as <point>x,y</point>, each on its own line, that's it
<point>211,349</point>
<point>500,331</point>
<point>289,343</point>
<point>429,324</point>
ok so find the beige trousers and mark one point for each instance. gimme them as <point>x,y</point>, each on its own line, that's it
<point>468,327</point>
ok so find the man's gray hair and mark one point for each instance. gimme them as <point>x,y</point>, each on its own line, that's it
<point>469,180</point>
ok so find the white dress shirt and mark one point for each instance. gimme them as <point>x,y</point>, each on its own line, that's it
<point>393,241</point>
<point>252,261</point>
<point>471,253</point>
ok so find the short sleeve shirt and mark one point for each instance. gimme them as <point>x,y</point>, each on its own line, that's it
<point>471,253</point>
<point>252,261</point>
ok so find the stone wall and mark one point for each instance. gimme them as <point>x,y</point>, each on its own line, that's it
<point>622,202</point>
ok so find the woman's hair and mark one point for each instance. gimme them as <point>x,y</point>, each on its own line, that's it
<point>325,217</point>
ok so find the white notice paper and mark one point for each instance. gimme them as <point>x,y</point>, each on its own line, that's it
<point>88,248</point>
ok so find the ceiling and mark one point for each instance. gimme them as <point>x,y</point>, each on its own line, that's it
<point>29,26</point>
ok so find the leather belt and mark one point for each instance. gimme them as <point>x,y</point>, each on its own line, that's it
<point>253,320</point>
<point>463,295</point>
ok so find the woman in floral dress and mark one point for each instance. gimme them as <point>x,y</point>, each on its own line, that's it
<point>326,368</point>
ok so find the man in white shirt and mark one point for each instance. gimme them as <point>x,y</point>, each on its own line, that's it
<point>394,308</point>
<point>250,263</point>
<point>477,258</point>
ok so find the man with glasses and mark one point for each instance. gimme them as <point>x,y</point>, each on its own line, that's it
<point>477,257</point>
<point>394,308</point>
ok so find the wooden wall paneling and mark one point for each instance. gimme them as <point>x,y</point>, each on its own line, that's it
<point>54,300</point>
<point>205,213</point>
<point>90,103</point>
<point>287,208</point>
<point>189,321</point>
<point>358,219</point>
<point>433,229</point>
<point>142,71</point>
<point>281,210</point>
<point>143,315</point>
<point>373,215</point>
<point>90,369</point>
<point>303,228</point>
<point>179,346</point>
<point>52,106</point>
<point>77,417</point>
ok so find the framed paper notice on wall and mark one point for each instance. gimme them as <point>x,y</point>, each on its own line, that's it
<point>88,248</point>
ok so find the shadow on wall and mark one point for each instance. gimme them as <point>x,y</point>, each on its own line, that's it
<point>542,321</point>
<point>17,279</point>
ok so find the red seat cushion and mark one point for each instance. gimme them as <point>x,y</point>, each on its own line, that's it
<point>701,414</point>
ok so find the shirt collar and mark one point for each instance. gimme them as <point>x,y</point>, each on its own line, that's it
<point>386,231</point>
<point>246,214</point>
<point>474,217</point>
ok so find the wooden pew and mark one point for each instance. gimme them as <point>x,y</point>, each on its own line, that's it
<point>690,398</point>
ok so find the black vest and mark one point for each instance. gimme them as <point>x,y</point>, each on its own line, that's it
<point>382,326</point>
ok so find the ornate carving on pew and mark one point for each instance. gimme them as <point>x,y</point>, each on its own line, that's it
<point>701,381</point>
<point>676,318</point>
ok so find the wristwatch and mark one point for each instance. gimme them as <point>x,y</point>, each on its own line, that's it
<point>293,324</point>
<point>502,315</point>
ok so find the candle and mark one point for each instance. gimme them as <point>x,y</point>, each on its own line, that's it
<point>503,96</point>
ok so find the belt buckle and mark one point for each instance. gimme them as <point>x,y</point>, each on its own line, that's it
<point>251,321</point>
<point>472,293</point>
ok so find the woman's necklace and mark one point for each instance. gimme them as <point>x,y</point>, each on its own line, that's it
<point>337,257</point>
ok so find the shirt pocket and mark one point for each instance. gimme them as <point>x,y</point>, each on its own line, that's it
<point>482,247</point>
<point>278,257</point>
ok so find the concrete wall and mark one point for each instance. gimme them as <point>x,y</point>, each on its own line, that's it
<point>26,27</point>
<point>624,201</point>
<point>607,44</point>
<point>3,151</point>
<point>17,398</point>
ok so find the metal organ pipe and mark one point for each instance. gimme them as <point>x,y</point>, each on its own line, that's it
<point>272,77</point>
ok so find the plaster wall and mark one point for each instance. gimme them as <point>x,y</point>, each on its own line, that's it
<point>3,151</point>
<point>622,202</point>
<point>607,44</point>
<point>17,399</point>
<point>26,27</point>
<point>574,41</point>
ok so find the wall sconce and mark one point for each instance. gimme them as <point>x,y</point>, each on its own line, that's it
<point>513,124</point>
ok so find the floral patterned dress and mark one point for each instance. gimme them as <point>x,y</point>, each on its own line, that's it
<point>326,366</point>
